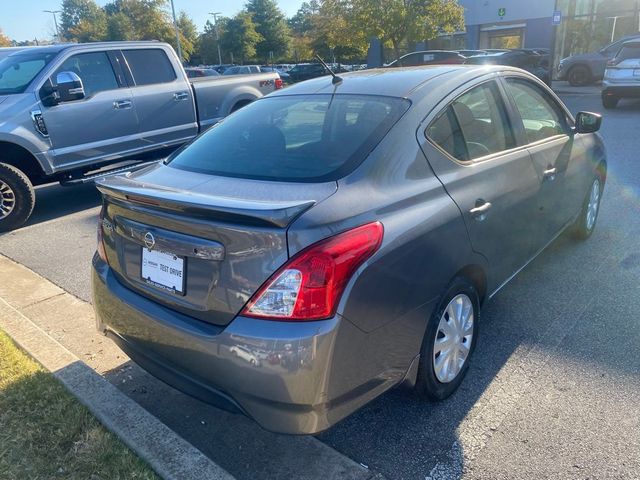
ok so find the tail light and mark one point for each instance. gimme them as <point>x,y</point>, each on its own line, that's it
<point>100,247</point>
<point>310,284</point>
<point>279,83</point>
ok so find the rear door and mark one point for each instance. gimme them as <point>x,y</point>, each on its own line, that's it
<point>163,98</point>
<point>102,125</point>
<point>471,147</point>
<point>545,131</point>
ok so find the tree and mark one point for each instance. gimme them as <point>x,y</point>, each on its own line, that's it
<point>302,22</point>
<point>140,20</point>
<point>77,12</point>
<point>240,36</point>
<point>399,21</point>
<point>270,23</point>
<point>188,35</point>
<point>337,31</point>
<point>4,40</point>
<point>208,41</point>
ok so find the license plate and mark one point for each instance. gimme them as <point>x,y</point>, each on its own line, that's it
<point>163,270</point>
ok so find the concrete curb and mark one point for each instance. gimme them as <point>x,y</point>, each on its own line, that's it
<point>168,454</point>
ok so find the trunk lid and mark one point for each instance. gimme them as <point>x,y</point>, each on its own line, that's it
<point>214,240</point>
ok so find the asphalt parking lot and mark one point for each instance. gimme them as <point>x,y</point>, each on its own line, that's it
<point>552,391</point>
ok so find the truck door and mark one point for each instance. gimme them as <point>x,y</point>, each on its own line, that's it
<point>163,98</point>
<point>101,125</point>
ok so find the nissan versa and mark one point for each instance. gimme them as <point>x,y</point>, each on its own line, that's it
<point>339,237</point>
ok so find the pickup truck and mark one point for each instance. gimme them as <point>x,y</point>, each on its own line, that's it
<point>67,111</point>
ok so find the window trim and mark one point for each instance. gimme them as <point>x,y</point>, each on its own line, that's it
<point>443,110</point>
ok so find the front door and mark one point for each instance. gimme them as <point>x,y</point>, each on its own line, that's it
<point>100,126</point>
<point>547,135</point>
<point>472,149</point>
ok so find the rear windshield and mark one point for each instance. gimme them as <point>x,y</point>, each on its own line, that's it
<point>298,138</point>
<point>629,52</point>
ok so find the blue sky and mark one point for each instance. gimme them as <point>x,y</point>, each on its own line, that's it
<point>25,20</point>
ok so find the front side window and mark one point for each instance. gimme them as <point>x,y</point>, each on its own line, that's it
<point>298,138</point>
<point>474,125</point>
<point>17,71</point>
<point>149,66</point>
<point>94,69</point>
<point>540,117</point>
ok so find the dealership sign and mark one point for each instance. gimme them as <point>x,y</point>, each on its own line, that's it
<point>557,18</point>
<point>502,12</point>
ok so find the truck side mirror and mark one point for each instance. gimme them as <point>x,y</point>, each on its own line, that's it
<point>68,87</point>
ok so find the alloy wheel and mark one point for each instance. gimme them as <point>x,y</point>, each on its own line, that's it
<point>593,205</point>
<point>453,338</point>
<point>7,200</point>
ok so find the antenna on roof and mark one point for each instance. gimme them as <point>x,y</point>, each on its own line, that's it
<point>336,79</point>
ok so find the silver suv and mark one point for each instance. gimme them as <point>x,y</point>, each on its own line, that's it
<point>622,77</point>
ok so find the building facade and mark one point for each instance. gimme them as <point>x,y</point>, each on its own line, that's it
<point>584,25</point>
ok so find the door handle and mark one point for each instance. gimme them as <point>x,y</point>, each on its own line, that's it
<point>180,96</point>
<point>550,173</point>
<point>479,212</point>
<point>122,104</point>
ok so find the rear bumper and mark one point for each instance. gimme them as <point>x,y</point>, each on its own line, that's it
<point>621,90</point>
<point>282,374</point>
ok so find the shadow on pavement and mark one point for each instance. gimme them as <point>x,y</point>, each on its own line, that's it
<point>54,201</point>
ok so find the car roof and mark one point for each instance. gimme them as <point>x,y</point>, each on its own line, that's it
<point>633,42</point>
<point>390,82</point>
<point>58,47</point>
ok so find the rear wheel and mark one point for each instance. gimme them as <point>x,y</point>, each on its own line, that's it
<point>17,198</point>
<point>579,76</point>
<point>610,102</point>
<point>449,341</point>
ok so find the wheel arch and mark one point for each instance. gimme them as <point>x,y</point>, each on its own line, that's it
<point>20,158</point>
<point>478,278</point>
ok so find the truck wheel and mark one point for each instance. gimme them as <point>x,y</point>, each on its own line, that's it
<point>579,76</point>
<point>17,198</point>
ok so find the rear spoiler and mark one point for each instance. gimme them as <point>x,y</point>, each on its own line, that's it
<point>211,207</point>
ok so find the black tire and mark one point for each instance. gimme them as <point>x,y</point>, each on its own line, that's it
<point>15,184</point>
<point>582,228</point>
<point>610,102</point>
<point>579,76</point>
<point>239,105</point>
<point>427,384</point>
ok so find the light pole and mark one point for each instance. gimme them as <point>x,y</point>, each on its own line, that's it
<point>615,22</point>
<point>215,28</point>
<point>175,25</point>
<point>55,21</point>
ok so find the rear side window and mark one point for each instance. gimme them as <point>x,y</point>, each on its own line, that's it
<point>94,69</point>
<point>629,52</point>
<point>149,66</point>
<point>474,125</point>
<point>298,138</point>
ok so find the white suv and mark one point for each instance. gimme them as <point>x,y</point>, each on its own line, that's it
<point>622,76</point>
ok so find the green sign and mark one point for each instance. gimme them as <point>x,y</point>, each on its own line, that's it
<point>502,12</point>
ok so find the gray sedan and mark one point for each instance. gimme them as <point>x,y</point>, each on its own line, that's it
<point>345,233</point>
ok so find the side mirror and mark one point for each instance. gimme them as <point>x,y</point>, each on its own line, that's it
<point>69,87</point>
<point>587,122</point>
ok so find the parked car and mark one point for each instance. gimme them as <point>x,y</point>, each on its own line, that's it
<point>354,229</point>
<point>428,57</point>
<point>471,53</point>
<point>307,71</point>
<point>588,68</point>
<point>242,70</point>
<point>286,78</point>
<point>526,59</point>
<point>221,68</point>
<point>70,109</point>
<point>622,76</point>
<point>196,72</point>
